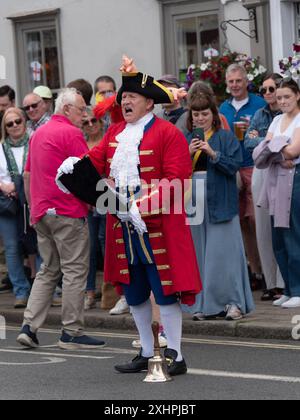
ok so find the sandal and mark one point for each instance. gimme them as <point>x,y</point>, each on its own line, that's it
<point>268,295</point>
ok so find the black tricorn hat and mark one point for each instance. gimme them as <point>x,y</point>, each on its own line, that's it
<point>146,86</point>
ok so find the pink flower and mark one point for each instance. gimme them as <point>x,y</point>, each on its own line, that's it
<point>296,48</point>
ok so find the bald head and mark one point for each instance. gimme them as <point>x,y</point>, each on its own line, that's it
<point>34,107</point>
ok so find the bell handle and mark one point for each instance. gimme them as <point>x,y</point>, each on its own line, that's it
<point>155,329</point>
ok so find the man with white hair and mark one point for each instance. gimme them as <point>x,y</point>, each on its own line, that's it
<point>61,225</point>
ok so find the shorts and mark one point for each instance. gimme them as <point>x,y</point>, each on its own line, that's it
<point>144,279</point>
<point>246,198</point>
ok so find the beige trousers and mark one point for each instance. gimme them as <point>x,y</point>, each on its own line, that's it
<point>64,248</point>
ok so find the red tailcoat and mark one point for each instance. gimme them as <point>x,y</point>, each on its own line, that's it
<point>164,155</point>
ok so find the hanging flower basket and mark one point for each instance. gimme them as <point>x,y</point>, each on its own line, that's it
<point>213,72</point>
<point>290,66</point>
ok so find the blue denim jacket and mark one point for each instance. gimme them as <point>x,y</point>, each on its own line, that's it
<point>222,192</point>
<point>261,122</point>
<point>254,104</point>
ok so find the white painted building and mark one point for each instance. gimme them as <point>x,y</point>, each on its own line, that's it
<point>56,41</point>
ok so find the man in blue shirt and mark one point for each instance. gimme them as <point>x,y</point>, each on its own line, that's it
<point>242,106</point>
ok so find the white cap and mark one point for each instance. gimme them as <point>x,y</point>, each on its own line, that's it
<point>44,92</point>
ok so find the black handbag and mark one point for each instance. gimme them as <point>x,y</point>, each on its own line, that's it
<point>9,206</point>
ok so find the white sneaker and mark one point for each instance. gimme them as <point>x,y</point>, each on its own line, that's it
<point>292,303</point>
<point>281,301</point>
<point>120,308</point>
<point>163,343</point>
<point>233,313</point>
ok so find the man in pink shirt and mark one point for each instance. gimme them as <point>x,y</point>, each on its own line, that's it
<point>61,224</point>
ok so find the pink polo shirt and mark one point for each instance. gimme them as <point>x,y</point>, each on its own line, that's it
<point>49,147</point>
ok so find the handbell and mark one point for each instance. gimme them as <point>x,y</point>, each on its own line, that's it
<point>157,367</point>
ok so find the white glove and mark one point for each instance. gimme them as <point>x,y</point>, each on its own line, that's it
<point>136,219</point>
<point>67,167</point>
<point>124,217</point>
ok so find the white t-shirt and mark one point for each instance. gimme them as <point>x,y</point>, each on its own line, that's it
<point>18,153</point>
<point>275,127</point>
<point>239,104</point>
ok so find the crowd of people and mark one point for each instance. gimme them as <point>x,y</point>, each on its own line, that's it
<point>245,152</point>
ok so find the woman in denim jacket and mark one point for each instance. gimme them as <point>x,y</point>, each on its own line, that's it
<point>256,134</point>
<point>216,161</point>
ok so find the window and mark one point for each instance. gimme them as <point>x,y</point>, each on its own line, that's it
<point>197,39</point>
<point>297,16</point>
<point>39,51</point>
<point>191,33</point>
<point>42,59</point>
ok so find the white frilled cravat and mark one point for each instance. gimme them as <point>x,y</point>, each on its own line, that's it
<point>124,166</point>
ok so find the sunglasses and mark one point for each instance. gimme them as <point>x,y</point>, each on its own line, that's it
<point>270,89</point>
<point>91,121</point>
<point>12,123</point>
<point>32,106</point>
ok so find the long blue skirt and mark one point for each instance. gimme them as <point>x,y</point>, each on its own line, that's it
<point>222,263</point>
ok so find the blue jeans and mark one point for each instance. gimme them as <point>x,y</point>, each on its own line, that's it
<point>14,256</point>
<point>286,244</point>
<point>97,227</point>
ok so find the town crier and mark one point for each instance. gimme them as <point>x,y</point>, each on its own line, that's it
<point>149,245</point>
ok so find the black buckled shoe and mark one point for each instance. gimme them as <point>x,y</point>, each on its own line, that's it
<point>175,368</point>
<point>138,364</point>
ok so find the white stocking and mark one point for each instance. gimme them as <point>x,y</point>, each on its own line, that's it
<point>171,316</point>
<point>142,315</point>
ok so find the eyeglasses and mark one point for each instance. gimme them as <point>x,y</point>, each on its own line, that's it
<point>81,109</point>
<point>92,121</point>
<point>15,122</point>
<point>264,91</point>
<point>32,106</point>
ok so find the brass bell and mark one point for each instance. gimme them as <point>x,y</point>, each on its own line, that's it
<point>157,367</point>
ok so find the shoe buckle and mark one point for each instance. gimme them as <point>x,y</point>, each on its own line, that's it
<point>169,361</point>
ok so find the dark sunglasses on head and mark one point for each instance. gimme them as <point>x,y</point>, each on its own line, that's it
<point>12,123</point>
<point>270,89</point>
<point>91,121</point>
<point>32,106</point>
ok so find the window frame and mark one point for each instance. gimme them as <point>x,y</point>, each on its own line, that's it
<point>174,10</point>
<point>297,21</point>
<point>38,21</point>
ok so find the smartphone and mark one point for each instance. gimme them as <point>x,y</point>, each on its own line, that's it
<point>198,133</point>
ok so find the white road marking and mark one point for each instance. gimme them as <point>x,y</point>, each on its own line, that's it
<point>50,361</point>
<point>36,353</point>
<point>102,350</point>
<point>236,375</point>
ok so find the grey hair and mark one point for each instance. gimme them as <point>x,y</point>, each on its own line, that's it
<point>233,68</point>
<point>66,97</point>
